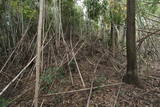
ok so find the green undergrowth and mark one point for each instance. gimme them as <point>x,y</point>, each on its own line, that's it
<point>50,76</point>
<point>72,65</point>
<point>3,102</point>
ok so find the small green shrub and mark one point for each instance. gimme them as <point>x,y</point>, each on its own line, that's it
<point>50,75</point>
<point>72,65</point>
<point>3,102</point>
<point>100,80</point>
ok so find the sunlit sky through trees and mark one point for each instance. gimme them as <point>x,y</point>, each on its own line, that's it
<point>81,4</point>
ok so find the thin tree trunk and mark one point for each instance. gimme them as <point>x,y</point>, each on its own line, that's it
<point>38,59</point>
<point>113,39</point>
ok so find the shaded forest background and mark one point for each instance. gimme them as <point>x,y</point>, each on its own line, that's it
<point>83,53</point>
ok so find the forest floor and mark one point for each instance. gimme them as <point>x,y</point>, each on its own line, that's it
<point>102,75</point>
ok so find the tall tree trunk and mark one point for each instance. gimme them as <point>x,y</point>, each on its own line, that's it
<point>38,59</point>
<point>131,76</point>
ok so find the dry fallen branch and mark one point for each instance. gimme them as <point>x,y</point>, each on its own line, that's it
<point>17,76</point>
<point>18,45</point>
<point>82,80</point>
<point>83,89</point>
<point>157,32</point>
<point>91,89</point>
<point>4,89</point>
<point>20,95</point>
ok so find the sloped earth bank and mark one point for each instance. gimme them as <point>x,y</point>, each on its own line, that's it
<point>96,66</point>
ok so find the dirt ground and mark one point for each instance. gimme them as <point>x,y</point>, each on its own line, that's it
<point>102,75</point>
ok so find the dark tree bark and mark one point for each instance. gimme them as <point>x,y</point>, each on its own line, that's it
<point>131,76</point>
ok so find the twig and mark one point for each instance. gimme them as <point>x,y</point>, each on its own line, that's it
<point>119,89</point>
<point>151,34</point>
<point>90,93</point>
<point>115,102</point>
<point>14,50</point>
<point>42,103</point>
<point>70,72</point>
<point>76,52</point>
<point>17,76</point>
<point>14,99</point>
<point>89,97</point>
<point>83,89</point>
<point>74,57</point>
<point>78,69</point>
